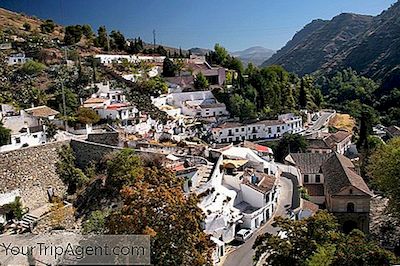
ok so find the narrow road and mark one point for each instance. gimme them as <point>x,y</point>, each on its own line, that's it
<point>243,255</point>
<point>322,121</point>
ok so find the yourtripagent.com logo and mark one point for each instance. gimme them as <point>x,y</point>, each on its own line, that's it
<point>73,249</point>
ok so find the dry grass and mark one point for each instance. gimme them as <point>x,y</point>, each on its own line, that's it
<point>15,22</point>
<point>343,121</point>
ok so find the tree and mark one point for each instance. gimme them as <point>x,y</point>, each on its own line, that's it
<point>118,40</point>
<point>73,34</point>
<point>168,68</point>
<point>87,116</point>
<point>201,82</point>
<point>5,135</point>
<point>289,143</point>
<point>384,169</point>
<point>96,223</point>
<point>66,169</point>
<point>317,240</point>
<point>102,38</point>
<point>47,26</point>
<point>87,31</point>
<point>50,130</point>
<point>71,102</point>
<point>27,26</point>
<point>154,204</point>
<point>32,67</point>
<point>242,108</point>
<point>221,54</point>
<point>123,168</point>
<point>303,95</point>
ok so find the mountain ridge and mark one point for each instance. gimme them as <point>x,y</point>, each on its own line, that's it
<point>367,44</point>
<point>256,55</point>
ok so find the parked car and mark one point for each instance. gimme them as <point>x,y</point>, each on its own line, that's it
<point>243,235</point>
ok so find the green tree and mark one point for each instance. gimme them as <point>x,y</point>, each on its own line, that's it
<point>87,116</point>
<point>242,108</point>
<point>290,143</point>
<point>27,26</point>
<point>87,31</point>
<point>32,67</point>
<point>168,68</point>
<point>118,40</point>
<point>66,169</point>
<point>71,102</point>
<point>73,34</point>
<point>102,38</point>
<point>96,224</point>
<point>201,82</point>
<point>50,130</point>
<point>317,240</point>
<point>5,135</point>
<point>47,26</point>
<point>123,168</point>
<point>384,169</point>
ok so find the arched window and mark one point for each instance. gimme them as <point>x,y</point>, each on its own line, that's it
<point>350,207</point>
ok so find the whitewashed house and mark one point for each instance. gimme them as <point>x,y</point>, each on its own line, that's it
<point>229,132</point>
<point>196,104</point>
<point>27,126</point>
<point>17,59</point>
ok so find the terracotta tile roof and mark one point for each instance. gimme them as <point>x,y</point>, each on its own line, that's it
<point>95,100</point>
<point>315,189</point>
<point>265,185</point>
<point>309,163</point>
<point>317,144</point>
<point>339,172</point>
<point>257,147</point>
<point>41,111</point>
<point>337,137</point>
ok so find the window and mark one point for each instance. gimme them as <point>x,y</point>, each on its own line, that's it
<point>350,207</point>
<point>18,140</point>
<point>317,179</point>
<point>269,130</point>
<point>351,191</point>
<point>306,179</point>
<point>242,129</point>
<point>35,136</point>
<point>278,129</point>
<point>236,130</point>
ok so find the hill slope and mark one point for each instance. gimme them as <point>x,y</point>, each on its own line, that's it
<point>256,55</point>
<point>369,45</point>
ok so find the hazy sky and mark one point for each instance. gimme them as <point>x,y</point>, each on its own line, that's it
<point>236,24</point>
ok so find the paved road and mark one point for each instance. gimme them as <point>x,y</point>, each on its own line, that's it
<point>322,121</point>
<point>243,256</point>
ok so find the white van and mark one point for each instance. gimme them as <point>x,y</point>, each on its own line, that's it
<point>243,235</point>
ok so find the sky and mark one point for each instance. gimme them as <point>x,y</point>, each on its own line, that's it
<point>235,24</point>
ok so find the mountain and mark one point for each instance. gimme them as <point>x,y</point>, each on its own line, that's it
<point>199,51</point>
<point>369,45</point>
<point>256,55</point>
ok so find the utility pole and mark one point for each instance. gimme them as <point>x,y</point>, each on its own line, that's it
<point>63,91</point>
<point>154,40</point>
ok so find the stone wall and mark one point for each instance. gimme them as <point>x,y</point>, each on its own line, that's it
<point>33,171</point>
<point>87,152</point>
<point>108,138</point>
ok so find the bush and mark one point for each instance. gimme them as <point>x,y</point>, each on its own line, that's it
<point>87,116</point>
<point>48,26</point>
<point>65,167</point>
<point>32,67</point>
<point>27,26</point>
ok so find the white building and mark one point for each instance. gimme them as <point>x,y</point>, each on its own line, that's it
<point>107,59</point>
<point>27,126</point>
<point>17,59</point>
<point>229,132</point>
<point>197,104</point>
